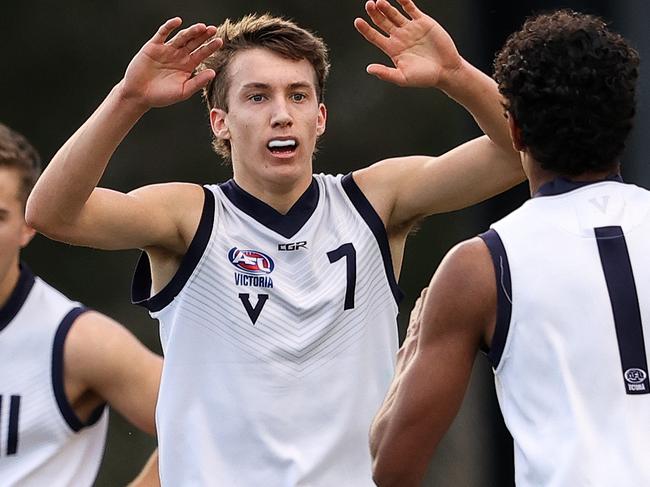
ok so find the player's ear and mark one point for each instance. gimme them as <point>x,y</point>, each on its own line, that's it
<point>219,123</point>
<point>515,133</point>
<point>322,119</point>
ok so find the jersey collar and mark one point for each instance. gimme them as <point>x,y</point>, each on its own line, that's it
<point>286,225</point>
<point>17,297</point>
<point>562,185</point>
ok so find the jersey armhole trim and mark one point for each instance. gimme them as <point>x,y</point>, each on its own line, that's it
<point>58,382</point>
<point>372,219</point>
<point>141,284</point>
<point>504,295</point>
<point>17,297</point>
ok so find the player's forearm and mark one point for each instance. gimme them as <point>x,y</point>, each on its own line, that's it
<point>478,93</point>
<point>381,420</point>
<point>389,467</point>
<point>62,191</point>
<point>149,476</point>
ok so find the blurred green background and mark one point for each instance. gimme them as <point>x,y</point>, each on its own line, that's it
<point>59,59</point>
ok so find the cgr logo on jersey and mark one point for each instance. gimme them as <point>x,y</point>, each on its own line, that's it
<point>254,267</point>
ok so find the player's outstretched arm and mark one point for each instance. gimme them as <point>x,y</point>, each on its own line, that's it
<point>424,55</point>
<point>65,203</point>
<point>405,189</point>
<point>434,365</point>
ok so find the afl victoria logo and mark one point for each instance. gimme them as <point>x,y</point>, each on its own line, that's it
<point>635,376</point>
<point>251,261</point>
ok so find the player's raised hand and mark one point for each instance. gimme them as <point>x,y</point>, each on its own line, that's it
<point>162,72</point>
<point>422,52</point>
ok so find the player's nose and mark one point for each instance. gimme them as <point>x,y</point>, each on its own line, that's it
<point>281,116</point>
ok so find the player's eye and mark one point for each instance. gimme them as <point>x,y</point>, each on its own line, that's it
<point>257,98</point>
<point>298,97</point>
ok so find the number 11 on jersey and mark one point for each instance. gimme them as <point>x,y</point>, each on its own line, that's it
<point>12,431</point>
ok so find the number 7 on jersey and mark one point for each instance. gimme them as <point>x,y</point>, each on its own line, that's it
<point>348,251</point>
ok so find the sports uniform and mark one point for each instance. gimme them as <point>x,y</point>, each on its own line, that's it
<point>279,334</point>
<point>42,441</point>
<point>572,335</point>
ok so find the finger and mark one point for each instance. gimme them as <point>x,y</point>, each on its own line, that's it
<point>164,30</point>
<point>391,13</point>
<point>384,73</point>
<point>371,35</point>
<point>411,9</point>
<point>378,18</point>
<point>186,35</point>
<point>197,82</point>
<point>206,50</point>
<point>192,44</point>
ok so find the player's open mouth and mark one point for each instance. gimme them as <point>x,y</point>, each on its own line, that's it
<point>282,147</point>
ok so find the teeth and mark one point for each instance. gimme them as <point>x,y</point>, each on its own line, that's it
<point>282,143</point>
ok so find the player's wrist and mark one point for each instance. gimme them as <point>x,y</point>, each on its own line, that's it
<point>455,77</point>
<point>129,98</point>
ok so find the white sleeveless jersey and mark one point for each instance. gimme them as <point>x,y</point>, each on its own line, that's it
<point>42,442</point>
<point>573,334</point>
<point>279,334</point>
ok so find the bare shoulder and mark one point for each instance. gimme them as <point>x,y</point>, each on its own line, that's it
<point>380,182</point>
<point>161,191</point>
<point>183,202</point>
<point>464,288</point>
<point>104,362</point>
<point>466,270</point>
<point>98,350</point>
<point>94,335</point>
<point>467,259</point>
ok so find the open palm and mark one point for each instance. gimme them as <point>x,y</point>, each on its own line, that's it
<point>162,72</point>
<point>422,52</point>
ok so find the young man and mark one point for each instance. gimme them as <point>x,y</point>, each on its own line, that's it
<point>276,291</point>
<point>558,291</point>
<point>61,362</point>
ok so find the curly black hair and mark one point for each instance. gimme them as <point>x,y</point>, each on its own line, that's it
<point>569,83</point>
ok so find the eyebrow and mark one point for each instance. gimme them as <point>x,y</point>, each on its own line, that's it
<point>266,86</point>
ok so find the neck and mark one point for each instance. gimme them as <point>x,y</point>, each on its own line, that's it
<point>537,177</point>
<point>280,196</point>
<point>8,282</point>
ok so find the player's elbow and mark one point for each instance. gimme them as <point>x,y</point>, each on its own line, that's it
<point>43,218</point>
<point>37,212</point>
<point>31,214</point>
<point>36,219</point>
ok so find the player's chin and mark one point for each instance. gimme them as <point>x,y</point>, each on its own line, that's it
<point>284,169</point>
